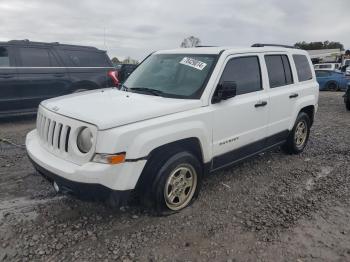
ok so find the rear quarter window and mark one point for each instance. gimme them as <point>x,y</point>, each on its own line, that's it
<point>81,58</point>
<point>4,57</point>
<point>303,67</point>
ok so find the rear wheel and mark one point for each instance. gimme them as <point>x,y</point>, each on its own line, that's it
<point>332,86</point>
<point>347,104</point>
<point>299,136</point>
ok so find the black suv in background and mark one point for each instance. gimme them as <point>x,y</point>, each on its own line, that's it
<point>32,71</point>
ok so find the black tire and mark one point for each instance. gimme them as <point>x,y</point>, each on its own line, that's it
<point>159,170</point>
<point>347,105</point>
<point>332,86</point>
<point>294,145</point>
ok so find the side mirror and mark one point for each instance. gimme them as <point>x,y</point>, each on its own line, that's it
<point>225,90</point>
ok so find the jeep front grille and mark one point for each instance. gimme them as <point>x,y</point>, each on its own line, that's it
<point>58,135</point>
<point>53,133</point>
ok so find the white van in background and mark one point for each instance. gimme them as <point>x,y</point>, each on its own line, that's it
<point>327,66</point>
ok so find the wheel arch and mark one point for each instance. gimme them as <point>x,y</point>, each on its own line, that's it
<point>308,106</point>
<point>329,82</point>
<point>191,145</point>
<point>310,111</point>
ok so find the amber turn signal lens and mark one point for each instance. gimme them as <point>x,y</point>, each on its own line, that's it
<point>116,159</point>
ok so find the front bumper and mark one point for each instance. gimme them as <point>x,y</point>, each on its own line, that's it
<point>83,190</point>
<point>120,177</point>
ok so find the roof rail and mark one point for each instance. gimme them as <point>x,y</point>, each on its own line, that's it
<point>206,46</point>
<point>26,41</point>
<point>277,45</point>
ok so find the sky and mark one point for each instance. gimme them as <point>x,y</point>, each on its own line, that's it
<point>137,27</point>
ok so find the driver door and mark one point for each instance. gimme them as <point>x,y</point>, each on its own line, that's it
<point>240,123</point>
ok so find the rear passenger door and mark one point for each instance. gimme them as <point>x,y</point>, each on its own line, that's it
<point>283,93</point>
<point>8,79</point>
<point>41,75</point>
<point>239,123</point>
<point>88,69</point>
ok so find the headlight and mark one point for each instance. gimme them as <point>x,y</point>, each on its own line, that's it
<point>85,140</point>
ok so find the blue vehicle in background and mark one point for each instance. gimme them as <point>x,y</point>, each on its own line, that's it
<point>331,80</point>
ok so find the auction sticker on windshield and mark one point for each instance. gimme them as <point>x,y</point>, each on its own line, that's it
<point>193,63</point>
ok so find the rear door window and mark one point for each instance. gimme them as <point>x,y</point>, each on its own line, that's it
<point>322,73</point>
<point>245,71</point>
<point>81,58</point>
<point>34,57</point>
<point>303,67</point>
<point>279,71</point>
<point>4,57</point>
<point>37,57</point>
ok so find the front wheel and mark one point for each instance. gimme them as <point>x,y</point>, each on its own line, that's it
<point>176,184</point>
<point>299,135</point>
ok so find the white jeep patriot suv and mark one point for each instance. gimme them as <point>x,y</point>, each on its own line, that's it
<point>181,114</point>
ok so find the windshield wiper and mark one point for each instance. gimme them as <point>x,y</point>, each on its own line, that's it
<point>123,87</point>
<point>146,90</point>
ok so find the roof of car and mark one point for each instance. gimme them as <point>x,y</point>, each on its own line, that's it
<point>57,44</point>
<point>218,49</point>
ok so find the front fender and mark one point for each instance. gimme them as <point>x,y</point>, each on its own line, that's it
<point>139,139</point>
<point>145,142</point>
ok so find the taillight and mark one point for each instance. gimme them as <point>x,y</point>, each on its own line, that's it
<point>114,76</point>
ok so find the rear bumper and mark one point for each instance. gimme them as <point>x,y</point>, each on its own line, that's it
<point>84,190</point>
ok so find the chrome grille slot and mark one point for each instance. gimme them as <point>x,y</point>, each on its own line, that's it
<point>67,139</point>
<point>47,127</point>
<point>63,139</point>
<point>52,131</point>
<point>57,136</point>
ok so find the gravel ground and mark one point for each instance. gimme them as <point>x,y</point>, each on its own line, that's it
<point>274,207</point>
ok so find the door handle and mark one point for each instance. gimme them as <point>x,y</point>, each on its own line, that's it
<point>294,95</point>
<point>6,76</point>
<point>261,103</point>
<point>59,75</point>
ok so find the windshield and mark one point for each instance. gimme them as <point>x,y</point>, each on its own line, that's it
<point>172,75</point>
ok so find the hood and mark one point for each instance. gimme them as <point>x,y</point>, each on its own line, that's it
<point>107,108</point>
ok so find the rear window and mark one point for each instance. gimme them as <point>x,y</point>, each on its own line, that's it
<point>322,73</point>
<point>303,67</point>
<point>279,71</point>
<point>37,57</point>
<point>4,57</point>
<point>81,58</point>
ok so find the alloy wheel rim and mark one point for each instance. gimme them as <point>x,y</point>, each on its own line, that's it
<point>300,134</point>
<point>180,187</point>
